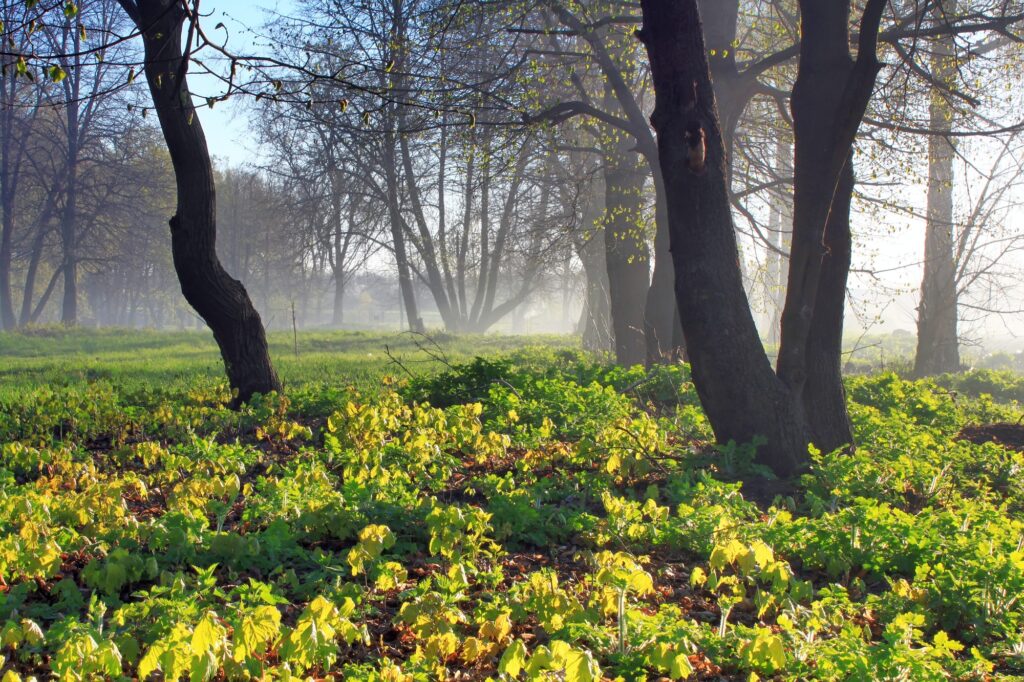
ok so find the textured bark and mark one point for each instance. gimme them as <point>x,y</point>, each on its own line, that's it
<point>742,397</point>
<point>829,98</point>
<point>662,332</point>
<point>68,222</point>
<point>626,252</point>
<point>824,397</point>
<point>938,344</point>
<point>220,300</point>
<point>803,402</point>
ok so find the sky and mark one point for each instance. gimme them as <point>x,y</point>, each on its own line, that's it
<point>883,303</point>
<point>227,129</point>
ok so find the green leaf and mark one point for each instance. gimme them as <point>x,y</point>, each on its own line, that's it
<point>258,628</point>
<point>150,663</point>
<point>513,660</point>
<point>580,666</point>
<point>207,635</point>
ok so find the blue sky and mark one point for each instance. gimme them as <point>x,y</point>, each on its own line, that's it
<point>227,127</point>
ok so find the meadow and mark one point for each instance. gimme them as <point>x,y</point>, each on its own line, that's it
<point>435,508</point>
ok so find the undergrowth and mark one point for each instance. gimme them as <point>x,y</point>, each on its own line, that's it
<point>528,516</point>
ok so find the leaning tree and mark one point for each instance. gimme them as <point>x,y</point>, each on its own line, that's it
<point>220,300</point>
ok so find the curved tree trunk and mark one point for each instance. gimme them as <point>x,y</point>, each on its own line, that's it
<point>829,98</point>
<point>218,298</point>
<point>743,398</point>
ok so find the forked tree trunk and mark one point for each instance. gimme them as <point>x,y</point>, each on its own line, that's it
<point>743,398</point>
<point>829,99</point>
<point>218,298</point>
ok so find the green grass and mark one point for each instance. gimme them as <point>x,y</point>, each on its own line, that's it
<point>134,359</point>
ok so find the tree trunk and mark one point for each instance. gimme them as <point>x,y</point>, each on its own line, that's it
<point>8,195</point>
<point>218,298</point>
<point>938,345</point>
<point>626,251</point>
<point>338,311</point>
<point>68,227</point>
<point>36,255</point>
<point>780,228</point>
<point>7,320</point>
<point>425,245</point>
<point>405,282</point>
<point>824,396</point>
<point>742,397</point>
<point>660,311</point>
<point>596,316</point>
<point>829,99</point>
<point>720,19</point>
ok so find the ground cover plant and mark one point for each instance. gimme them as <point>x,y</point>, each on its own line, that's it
<point>411,511</point>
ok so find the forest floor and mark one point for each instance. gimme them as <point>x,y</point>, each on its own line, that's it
<point>469,508</point>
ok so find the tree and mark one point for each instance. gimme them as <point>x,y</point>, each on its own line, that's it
<point>20,104</point>
<point>643,317</point>
<point>220,300</point>
<point>938,344</point>
<point>743,398</point>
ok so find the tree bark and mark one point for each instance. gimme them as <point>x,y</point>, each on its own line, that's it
<point>938,343</point>
<point>742,397</point>
<point>68,227</point>
<point>829,99</point>
<point>626,252</point>
<point>220,300</point>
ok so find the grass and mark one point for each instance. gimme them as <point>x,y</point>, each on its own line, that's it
<point>135,359</point>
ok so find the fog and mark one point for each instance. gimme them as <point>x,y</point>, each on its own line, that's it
<point>478,179</point>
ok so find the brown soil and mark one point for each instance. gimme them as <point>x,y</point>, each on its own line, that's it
<point>1008,435</point>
